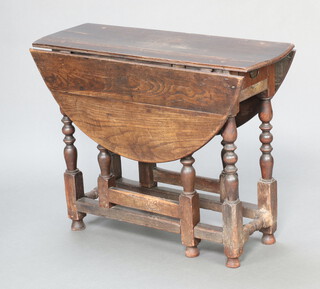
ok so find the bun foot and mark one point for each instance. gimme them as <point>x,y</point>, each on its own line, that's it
<point>192,252</point>
<point>233,263</point>
<point>78,225</point>
<point>268,239</point>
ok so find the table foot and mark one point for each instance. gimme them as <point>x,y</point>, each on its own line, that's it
<point>268,239</point>
<point>233,263</point>
<point>77,225</point>
<point>192,252</point>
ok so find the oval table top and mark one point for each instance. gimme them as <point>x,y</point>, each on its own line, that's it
<point>157,96</point>
<point>170,47</point>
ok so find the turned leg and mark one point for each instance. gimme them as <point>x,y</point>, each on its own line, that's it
<point>146,175</point>
<point>267,186</point>
<point>106,179</point>
<point>73,176</point>
<point>189,208</point>
<point>115,170</point>
<point>232,207</point>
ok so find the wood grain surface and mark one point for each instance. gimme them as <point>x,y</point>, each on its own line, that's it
<point>208,202</point>
<point>139,131</point>
<point>121,111</point>
<point>138,83</point>
<point>144,202</point>
<point>169,47</point>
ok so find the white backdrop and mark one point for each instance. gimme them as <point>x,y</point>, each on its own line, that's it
<point>37,249</point>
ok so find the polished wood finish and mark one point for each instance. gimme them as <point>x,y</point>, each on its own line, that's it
<point>160,94</point>
<point>168,47</point>
<point>109,79</point>
<point>70,151</point>
<point>73,179</point>
<point>231,183</point>
<point>266,159</point>
<point>157,96</point>
<point>158,136</point>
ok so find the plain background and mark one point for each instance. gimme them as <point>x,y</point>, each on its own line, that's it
<point>37,248</point>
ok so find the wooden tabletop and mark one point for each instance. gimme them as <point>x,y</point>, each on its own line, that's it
<point>169,47</point>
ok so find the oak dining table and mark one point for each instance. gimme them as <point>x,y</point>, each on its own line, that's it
<point>157,96</point>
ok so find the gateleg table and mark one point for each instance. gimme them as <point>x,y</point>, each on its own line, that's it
<point>156,96</point>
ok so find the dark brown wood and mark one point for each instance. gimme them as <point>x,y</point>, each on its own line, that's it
<point>116,165</point>
<point>248,109</point>
<point>266,159</point>
<point>232,207</point>
<point>169,47</point>
<point>105,179</point>
<point>170,99</point>
<point>157,96</point>
<point>119,213</point>
<point>132,82</point>
<point>146,177</point>
<point>271,80</point>
<point>70,151</point>
<point>155,141</point>
<point>254,76</point>
<point>231,183</point>
<point>129,103</point>
<point>189,207</point>
<point>104,160</point>
<point>73,181</point>
<point>222,189</point>
<point>254,82</point>
<point>282,68</point>
<point>267,79</point>
<point>143,202</point>
<point>174,178</point>
<point>73,176</point>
